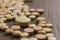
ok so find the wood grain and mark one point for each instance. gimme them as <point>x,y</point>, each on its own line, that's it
<point>51,13</point>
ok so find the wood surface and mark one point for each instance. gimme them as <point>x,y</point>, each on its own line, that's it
<point>51,13</point>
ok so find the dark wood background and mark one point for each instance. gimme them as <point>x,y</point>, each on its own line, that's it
<point>51,13</point>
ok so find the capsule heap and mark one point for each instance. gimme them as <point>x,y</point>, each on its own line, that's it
<point>27,22</point>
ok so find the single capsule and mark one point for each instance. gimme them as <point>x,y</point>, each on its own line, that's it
<point>24,34</point>
<point>40,36</point>
<point>29,30</point>
<point>1,20</point>
<point>16,33</point>
<point>33,38</point>
<point>32,17</point>
<point>49,35</point>
<point>4,28</point>
<point>43,22</point>
<point>24,39</point>
<point>42,25</point>
<point>32,25</point>
<point>27,13</point>
<point>37,28</point>
<point>9,31</point>
<point>41,32</point>
<point>8,16</point>
<point>23,20</point>
<point>40,18</point>
<point>35,13</point>
<point>15,27</point>
<point>48,30</point>
<point>51,38</point>
<point>49,25</point>
<point>32,10</point>
<point>40,10</point>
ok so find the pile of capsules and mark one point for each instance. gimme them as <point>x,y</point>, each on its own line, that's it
<point>28,25</point>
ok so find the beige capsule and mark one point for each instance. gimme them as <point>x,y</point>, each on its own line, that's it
<point>25,10</point>
<point>20,0</point>
<point>23,20</point>
<point>40,18</point>
<point>1,20</point>
<point>48,30</point>
<point>18,6</point>
<point>42,25</point>
<point>37,28</point>
<point>49,25</point>
<point>32,10</point>
<point>9,16</point>
<point>35,13</point>
<point>9,31</point>
<point>3,24</point>
<point>3,28</point>
<point>16,11</point>
<point>40,36</point>
<point>32,17</point>
<point>44,22</point>
<point>4,19</point>
<point>27,14</point>
<point>6,0</point>
<point>33,38</point>
<point>11,8</point>
<point>49,35</point>
<point>15,27</point>
<point>51,38</point>
<point>29,30</point>
<point>21,3</point>
<point>41,32</point>
<point>25,6</point>
<point>2,13</point>
<point>32,25</point>
<point>24,39</point>
<point>40,10</point>
<point>14,15</point>
<point>2,16</point>
<point>16,33</point>
<point>8,11</point>
<point>24,34</point>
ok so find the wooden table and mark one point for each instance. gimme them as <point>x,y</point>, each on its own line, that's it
<point>51,13</point>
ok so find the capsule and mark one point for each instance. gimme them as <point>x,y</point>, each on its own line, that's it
<point>24,34</point>
<point>40,10</point>
<point>16,33</point>
<point>49,25</point>
<point>32,25</point>
<point>32,10</point>
<point>35,13</point>
<point>42,22</point>
<point>49,35</point>
<point>42,25</point>
<point>32,17</point>
<point>24,39</point>
<point>9,31</point>
<point>23,21</point>
<point>37,28</point>
<point>48,30</point>
<point>40,36</point>
<point>51,38</point>
<point>33,38</point>
<point>41,32</point>
<point>15,27</point>
<point>29,30</point>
